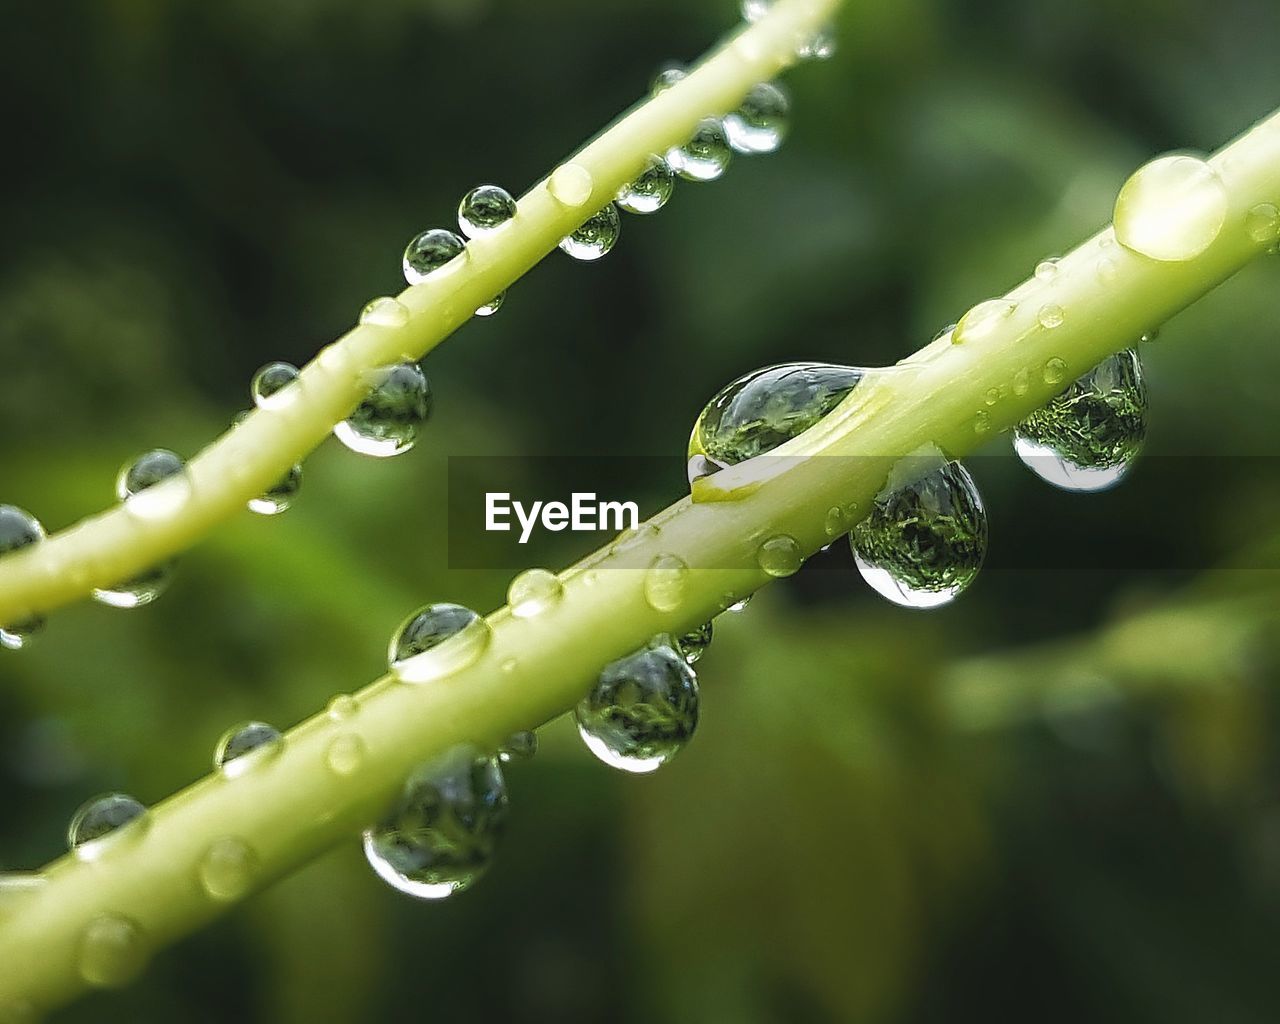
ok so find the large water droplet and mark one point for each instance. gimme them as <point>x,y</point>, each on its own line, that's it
<point>227,868</point>
<point>666,582</point>
<point>271,388</point>
<point>442,833</point>
<point>649,192</point>
<point>982,320</point>
<point>692,644</point>
<point>571,185</point>
<point>385,312</point>
<point>519,746</point>
<point>101,822</point>
<point>595,237</point>
<point>418,651</point>
<point>1086,438</point>
<point>706,156</point>
<point>533,592</point>
<point>758,412</point>
<point>760,124</point>
<point>925,537</point>
<point>641,711</point>
<point>246,746</point>
<point>111,952</point>
<point>386,423</point>
<point>18,529</point>
<point>780,556</point>
<point>1171,209</point>
<point>430,251</point>
<point>155,485</point>
<point>485,209</point>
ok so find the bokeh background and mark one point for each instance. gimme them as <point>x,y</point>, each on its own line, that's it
<point>1056,800</point>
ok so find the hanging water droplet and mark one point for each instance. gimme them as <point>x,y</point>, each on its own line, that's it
<point>1047,269</point>
<point>227,868</point>
<point>740,604</point>
<point>155,485</point>
<point>18,529</point>
<point>101,821</point>
<point>384,312</point>
<point>345,754</point>
<point>754,10</point>
<point>1051,316</point>
<point>111,952</point>
<point>442,833</point>
<point>137,591</point>
<point>1149,336</point>
<point>780,556</point>
<point>1262,223</point>
<point>519,746</point>
<point>692,644</point>
<point>760,124</point>
<point>1055,371</point>
<point>485,209</point>
<point>925,537</point>
<point>595,237</point>
<point>821,46</point>
<point>649,192</point>
<point>641,711</point>
<point>1172,209</point>
<point>571,185</point>
<point>534,592</point>
<point>761,410</point>
<point>1086,438</point>
<point>706,156</point>
<point>246,746</point>
<point>428,252</point>
<point>418,651</point>
<point>493,305</point>
<point>270,387</point>
<point>386,423</point>
<point>279,497</point>
<point>665,583</point>
<point>982,320</point>
<point>666,78</point>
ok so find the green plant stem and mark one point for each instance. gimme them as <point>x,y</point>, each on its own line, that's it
<point>296,806</point>
<point>114,545</point>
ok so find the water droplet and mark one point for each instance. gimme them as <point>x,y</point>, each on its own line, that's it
<point>835,522</point>
<point>270,387</point>
<point>534,592</point>
<point>760,124</point>
<point>1021,382</point>
<point>1055,371</point>
<point>1086,438</point>
<point>485,209</point>
<point>111,952</point>
<point>343,707</point>
<point>754,10</point>
<point>278,497</point>
<point>1172,209</point>
<point>571,185</point>
<point>227,868</point>
<point>155,485</point>
<point>641,711</point>
<point>740,604</point>
<point>1051,316</point>
<point>442,833</point>
<point>706,156</point>
<point>926,534</point>
<point>1150,336</point>
<point>103,821</point>
<point>666,78</point>
<point>692,644</point>
<point>18,529</point>
<point>493,305</point>
<point>385,312</point>
<point>650,191</point>
<point>821,46</point>
<point>665,583</point>
<point>595,237</point>
<point>418,651</point>
<point>780,556</point>
<point>508,665</point>
<point>992,396</point>
<point>386,423</point>
<point>1047,270</point>
<point>430,251</point>
<point>1263,223</point>
<point>246,746</point>
<point>519,746</point>
<point>761,410</point>
<point>345,754</point>
<point>1107,270</point>
<point>982,320</point>
<point>137,591</point>
<point>981,422</point>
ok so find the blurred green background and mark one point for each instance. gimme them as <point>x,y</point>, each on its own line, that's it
<point>1056,800</point>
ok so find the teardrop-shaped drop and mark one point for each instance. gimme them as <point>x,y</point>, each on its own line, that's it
<point>692,644</point>
<point>386,423</point>
<point>760,123</point>
<point>706,156</point>
<point>650,191</point>
<point>597,235</point>
<point>18,529</point>
<point>1086,438</point>
<point>925,537</point>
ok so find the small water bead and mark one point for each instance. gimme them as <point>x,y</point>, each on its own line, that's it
<point>981,422</point>
<point>761,410</point>
<point>227,869</point>
<point>1047,270</point>
<point>740,605</point>
<point>246,746</point>
<point>1055,371</point>
<point>279,497</point>
<point>1262,223</point>
<point>493,305</point>
<point>1149,336</point>
<point>571,185</point>
<point>104,818</point>
<point>534,592</point>
<point>597,235</point>
<point>835,521</point>
<point>821,46</point>
<point>18,529</point>
<point>137,591</point>
<point>992,396</point>
<point>428,252</point>
<point>111,952</point>
<point>1051,316</point>
<point>442,833</point>
<point>386,423</point>
<point>666,582</point>
<point>418,652</point>
<point>706,156</point>
<point>270,386</point>
<point>692,644</point>
<point>385,312</point>
<point>342,708</point>
<point>1021,382</point>
<point>666,78</point>
<point>485,209</point>
<point>780,556</point>
<point>650,191</point>
<point>760,124</point>
<point>754,10</point>
<point>1087,438</point>
<point>1172,209</point>
<point>925,537</point>
<point>155,485</point>
<point>1107,270</point>
<point>982,320</point>
<point>345,754</point>
<point>641,711</point>
<point>519,746</point>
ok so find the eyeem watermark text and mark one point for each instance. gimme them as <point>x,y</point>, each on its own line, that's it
<point>583,513</point>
